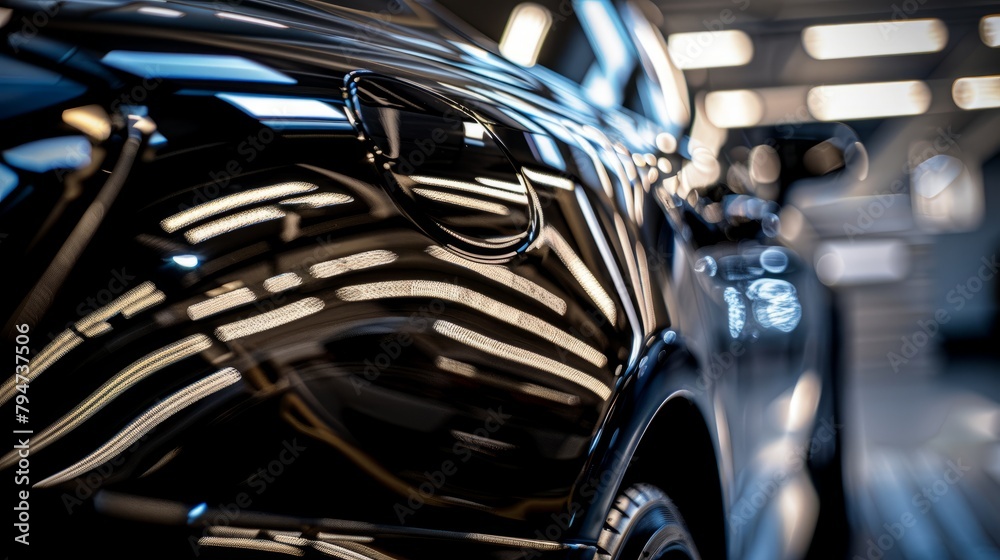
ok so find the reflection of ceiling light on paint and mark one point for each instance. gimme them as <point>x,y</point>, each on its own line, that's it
<point>982,92</point>
<point>710,49</point>
<point>234,222</point>
<point>64,152</point>
<point>548,179</point>
<point>8,181</point>
<point>187,261</point>
<point>268,106</point>
<point>869,101</point>
<point>853,40</point>
<point>193,67</point>
<point>737,311</point>
<point>231,202</point>
<point>525,32</point>
<point>474,130</point>
<point>160,12</point>
<point>248,19</point>
<point>598,19</point>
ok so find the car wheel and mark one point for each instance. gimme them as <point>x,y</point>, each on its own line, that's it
<point>644,524</point>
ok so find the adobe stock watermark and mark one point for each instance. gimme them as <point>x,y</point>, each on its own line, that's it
<point>259,481</point>
<point>963,292</point>
<point>747,507</point>
<point>900,12</point>
<point>32,24</point>
<point>922,501</point>
<point>588,492</point>
<point>87,486</point>
<point>944,141</point>
<point>462,451</point>
<point>120,281</point>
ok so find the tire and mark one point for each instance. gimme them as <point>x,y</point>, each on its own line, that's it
<point>644,524</point>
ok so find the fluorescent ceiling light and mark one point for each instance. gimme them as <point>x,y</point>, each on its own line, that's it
<point>710,49</point>
<point>989,30</point>
<point>736,108</point>
<point>853,40</point>
<point>868,101</point>
<point>525,32</point>
<point>862,262</point>
<point>982,92</point>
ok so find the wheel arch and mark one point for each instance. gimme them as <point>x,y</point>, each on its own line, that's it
<point>658,432</point>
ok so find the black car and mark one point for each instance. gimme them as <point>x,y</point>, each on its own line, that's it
<point>337,279</point>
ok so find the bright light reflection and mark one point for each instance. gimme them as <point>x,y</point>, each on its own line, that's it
<point>868,101</point>
<point>193,67</point>
<point>187,261</point>
<point>248,19</point>
<point>233,223</point>
<point>735,108</point>
<point>989,30</point>
<point>775,304</point>
<point>270,320</point>
<point>525,32</point>
<point>231,202</point>
<point>710,49</point>
<point>519,355</point>
<point>982,92</point>
<point>853,40</point>
<point>64,152</point>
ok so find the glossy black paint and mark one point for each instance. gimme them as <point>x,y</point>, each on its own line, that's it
<point>476,303</point>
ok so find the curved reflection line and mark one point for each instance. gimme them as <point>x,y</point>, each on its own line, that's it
<point>92,325</point>
<point>59,347</point>
<point>221,303</point>
<point>250,544</point>
<point>499,349</point>
<point>507,186</point>
<point>320,200</point>
<point>282,282</point>
<point>548,179</point>
<point>583,274</point>
<point>471,188</point>
<point>271,319</point>
<point>146,422</point>
<point>128,299</point>
<point>503,276</point>
<point>144,303</point>
<point>233,223</point>
<point>350,263</point>
<point>470,371</point>
<point>231,202</point>
<point>121,382</point>
<point>459,200</point>
<point>359,552</point>
<point>480,302</point>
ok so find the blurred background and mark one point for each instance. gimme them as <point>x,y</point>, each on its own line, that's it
<point>907,235</point>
